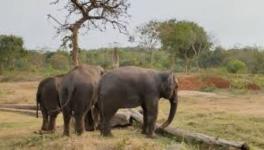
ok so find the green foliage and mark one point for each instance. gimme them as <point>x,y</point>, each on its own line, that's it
<point>11,50</point>
<point>236,66</point>
<point>184,39</point>
<point>253,57</point>
<point>208,59</point>
<point>59,60</point>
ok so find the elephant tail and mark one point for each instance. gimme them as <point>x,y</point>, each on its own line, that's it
<point>64,96</point>
<point>38,97</point>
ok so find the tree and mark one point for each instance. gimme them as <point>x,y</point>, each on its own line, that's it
<point>91,14</point>
<point>184,39</point>
<point>236,66</point>
<point>214,58</point>
<point>10,48</point>
<point>149,37</point>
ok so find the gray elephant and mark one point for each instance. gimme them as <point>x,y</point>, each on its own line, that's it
<point>129,87</point>
<point>78,94</point>
<point>48,101</point>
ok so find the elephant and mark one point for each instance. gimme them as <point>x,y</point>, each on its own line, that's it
<point>78,94</point>
<point>47,99</point>
<point>129,87</point>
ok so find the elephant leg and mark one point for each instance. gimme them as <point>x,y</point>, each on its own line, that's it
<point>144,126</point>
<point>45,119</point>
<point>79,123</point>
<point>106,117</point>
<point>66,118</point>
<point>52,121</point>
<point>89,121</point>
<point>152,113</point>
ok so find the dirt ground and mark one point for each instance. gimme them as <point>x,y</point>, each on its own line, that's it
<point>222,113</point>
<point>250,103</point>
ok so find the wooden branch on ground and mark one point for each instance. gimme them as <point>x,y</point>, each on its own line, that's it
<point>23,111</point>
<point>19,106</point>
<point>204,141</point>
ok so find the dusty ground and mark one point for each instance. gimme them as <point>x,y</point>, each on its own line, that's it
<point>18,92</point>
<point>225,114</point>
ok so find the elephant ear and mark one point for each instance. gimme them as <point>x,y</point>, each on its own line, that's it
<point>172,83</point>
<point>168,84</point>
<point>101,70</point>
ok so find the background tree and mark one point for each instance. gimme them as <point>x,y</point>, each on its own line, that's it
<point>90,14</point>
<point>215,58</point>
<point>149,37</point>
<point>184,39</point>
<point>10,48</point>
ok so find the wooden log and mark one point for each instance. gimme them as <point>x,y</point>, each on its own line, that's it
<point>204,141</point>
<point>121,119</point>
<point>23,111</point>
<point>19,106</point>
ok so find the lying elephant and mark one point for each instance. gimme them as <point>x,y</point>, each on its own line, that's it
<point>129,87</point>
<point>48,100</point>
<point>78,94</point>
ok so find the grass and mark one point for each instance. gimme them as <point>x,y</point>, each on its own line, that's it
<point>232,115</point>
<point>17,132</point>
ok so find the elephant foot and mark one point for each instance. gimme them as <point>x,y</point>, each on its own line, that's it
<point>152,136</point>
<point>108,134</point>
<point>79,133</point>
<point>66,134</point>
<point>41,132</point>
<point>143,132</point>
<point>90,128</point>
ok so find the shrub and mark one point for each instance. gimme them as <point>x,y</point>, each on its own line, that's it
<point>236,66</point>
<point>59,61</point>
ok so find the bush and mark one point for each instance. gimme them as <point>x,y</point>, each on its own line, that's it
<point>59,61</point>
<point>236,66</point>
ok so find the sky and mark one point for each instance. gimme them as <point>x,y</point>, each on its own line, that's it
<point>228,22</point>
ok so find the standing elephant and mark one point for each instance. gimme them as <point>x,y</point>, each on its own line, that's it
<point>48,101</point>
<point>129,87</point>
<point>78,94</point>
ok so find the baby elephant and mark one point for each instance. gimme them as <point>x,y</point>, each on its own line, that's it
<point>49,104</point>
<point>48,101</point>
<point>129,87</point>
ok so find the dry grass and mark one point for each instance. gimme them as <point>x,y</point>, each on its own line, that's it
<point>17,132</point>
<point>18,92</point>
<point>223,114</point>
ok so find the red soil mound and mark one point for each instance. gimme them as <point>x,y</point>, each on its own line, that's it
<point>195,83</point>
<point>217,82</point>
<point>253,86</point>
<point>190,83</point>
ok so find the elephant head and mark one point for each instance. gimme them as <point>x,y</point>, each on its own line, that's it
<point>169,91</point>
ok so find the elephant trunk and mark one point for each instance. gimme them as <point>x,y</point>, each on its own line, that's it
<point>173,109</point>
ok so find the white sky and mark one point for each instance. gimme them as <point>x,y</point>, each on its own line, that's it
<point>231,22</point>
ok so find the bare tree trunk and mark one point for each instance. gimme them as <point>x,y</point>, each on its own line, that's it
<point>115,58</point>
<point>1,68</point>
<point>186,63</point>
<point>173,56</point>
<point>75,46</point>
<point>150,51</point>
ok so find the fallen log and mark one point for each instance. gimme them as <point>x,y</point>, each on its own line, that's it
<point>23,111</point>
<point>19,106</point>
<point>202,140</point>
<point>121,119</point>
